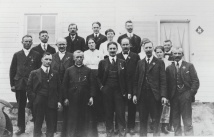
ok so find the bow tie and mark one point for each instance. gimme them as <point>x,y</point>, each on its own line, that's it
<point>167,53</point>
<point>125,53</point>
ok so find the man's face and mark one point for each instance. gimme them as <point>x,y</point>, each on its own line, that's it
<point>125,45</point>
<point>27,42</point>
<point>72,29</point>
<point>112,50</point>
<point>167,46</point>
<point>78,58</point>
<point>129,27</point>
<point>96,28</point>
<point>110,36</point>
<point>61,44</point>
<point>44,37</point>
<point>148,48</point>
<point>46,60</point>
<point>91,44</point>
<point>177,54</point>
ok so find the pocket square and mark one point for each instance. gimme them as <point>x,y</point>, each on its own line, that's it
<point>187,72</point>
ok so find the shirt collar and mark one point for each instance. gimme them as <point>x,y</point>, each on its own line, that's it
<point>128,34</point>
<point>42,45</point>
<point>96,34</point>
<point>126,54</point>
<point>45,68</point>
<point>62,52</point>
<point>26,50</point>
<point>110,58</point>
<point>73,36</point>
<point>180,62</point>
<point>150,59</point>
<point>169,52</point>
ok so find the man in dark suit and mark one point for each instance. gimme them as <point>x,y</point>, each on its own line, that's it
<point>183,83</point>
<point>134,39</point>
<point>131,60</point>
<point>149,89</point>
<point>62,59</point>
<point>167,44</point>
<point>112,82</point>
<point>22,64</point>
<point>98,37</point>
<point>44,46</point>
<point>43,90</point>
<point>74,42</point>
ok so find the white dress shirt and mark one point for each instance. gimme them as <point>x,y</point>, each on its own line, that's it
<point>46,46</point>
<point>45,68</point>
<point>104,50</point>
<point>61,55</point>
<point>110,58</point>
<point>26,51</point>
<point>150,59</point>
<point>96,34</point>
<point>125,55</point>
<point>180,62</point>
<point>130,34</point>
<point>92,58</point>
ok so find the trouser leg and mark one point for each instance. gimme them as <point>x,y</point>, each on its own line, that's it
<point>50,118</point>
<point>131,114</point>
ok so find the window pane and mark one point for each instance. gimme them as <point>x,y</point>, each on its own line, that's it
<point>51,37</point>
<point>33,22</point>
<point>35,35</point>
<point>48,22</point>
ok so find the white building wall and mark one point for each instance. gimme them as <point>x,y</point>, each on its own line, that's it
<point>112,14</point>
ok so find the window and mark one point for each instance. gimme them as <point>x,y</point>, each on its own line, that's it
<point>36,23</point>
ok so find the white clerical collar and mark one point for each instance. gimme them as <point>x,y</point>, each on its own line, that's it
<point>78,65</point>
<point>26,51</point>
<point>130,34</point>
<point>150,59</point>
<point>96,34</point>
<point>45,68</point>
<point>42,45</point>
<point>180,62</point>
<point>110,58</point>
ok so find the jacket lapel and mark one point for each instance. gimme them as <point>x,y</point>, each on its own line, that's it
<point>39,75</point>
<point>182,69</point>
<point>66,57</point>
<point>152,63</point>
<point>57,57</point>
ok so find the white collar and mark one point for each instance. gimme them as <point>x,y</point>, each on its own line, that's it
<point>128,34</point>
<point>45,68</point>
<point>26,50</point>
<point>110,58</point>
<point>150,59</point>
<point>170,51</point>
<point>126,54</point>
<point>62,52</point>
<point>73,36</point>
<point>180,62</point>
<point>46,45</point>
<point>96,34</point>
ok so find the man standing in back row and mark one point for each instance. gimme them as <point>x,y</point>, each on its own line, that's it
<point>98,37</point>
<point>134,39</point>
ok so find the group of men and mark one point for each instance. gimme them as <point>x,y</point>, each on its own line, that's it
<point>60,81</point>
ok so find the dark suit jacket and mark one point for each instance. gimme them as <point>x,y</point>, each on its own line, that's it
<point>99,40</point>
<point>135,42</point>
<point>188,75</point>
<point>21,66</point>
<point>103,70</point>
<point>77,44</point>
<point>131,64</point>
<point>35,84</point>
<point>156,78</point>
<point>67,61</point>
<point>39,49</point>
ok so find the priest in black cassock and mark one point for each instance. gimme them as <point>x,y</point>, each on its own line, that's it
<point>79,91</point>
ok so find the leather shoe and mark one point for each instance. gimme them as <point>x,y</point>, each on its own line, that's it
<point>19,132</point>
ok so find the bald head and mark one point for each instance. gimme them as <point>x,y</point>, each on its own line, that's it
<point>61,44</point>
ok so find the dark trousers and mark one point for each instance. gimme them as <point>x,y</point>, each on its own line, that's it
<point>148,105</point>
<point>41,112</point>
<point>21,98</point>
<point>131,114</point>
<point>113,100</point>
<point>181,106</point>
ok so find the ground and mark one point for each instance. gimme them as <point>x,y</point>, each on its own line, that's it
<point>203,122</point>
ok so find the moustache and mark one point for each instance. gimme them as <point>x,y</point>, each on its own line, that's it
<point>178,57</point>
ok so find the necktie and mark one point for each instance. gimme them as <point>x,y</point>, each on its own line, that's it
<point>72,38</point>
<point>113,61</point>
<point>148,60</point>
<point>44,47</point>
<point>177,67</point>
<point>46,71</point>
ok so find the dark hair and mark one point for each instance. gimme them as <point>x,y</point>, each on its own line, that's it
<point>91,39</point>
<point>128,21</point>
<point>43,31</point>
<point>72,25</point>
<point>109,30</point>
<point>168,40</point>
<point>26,36</point>
<point>46,53</point>
<point>110,43</point>
<point>159,47</point>
<point>96,23</point>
